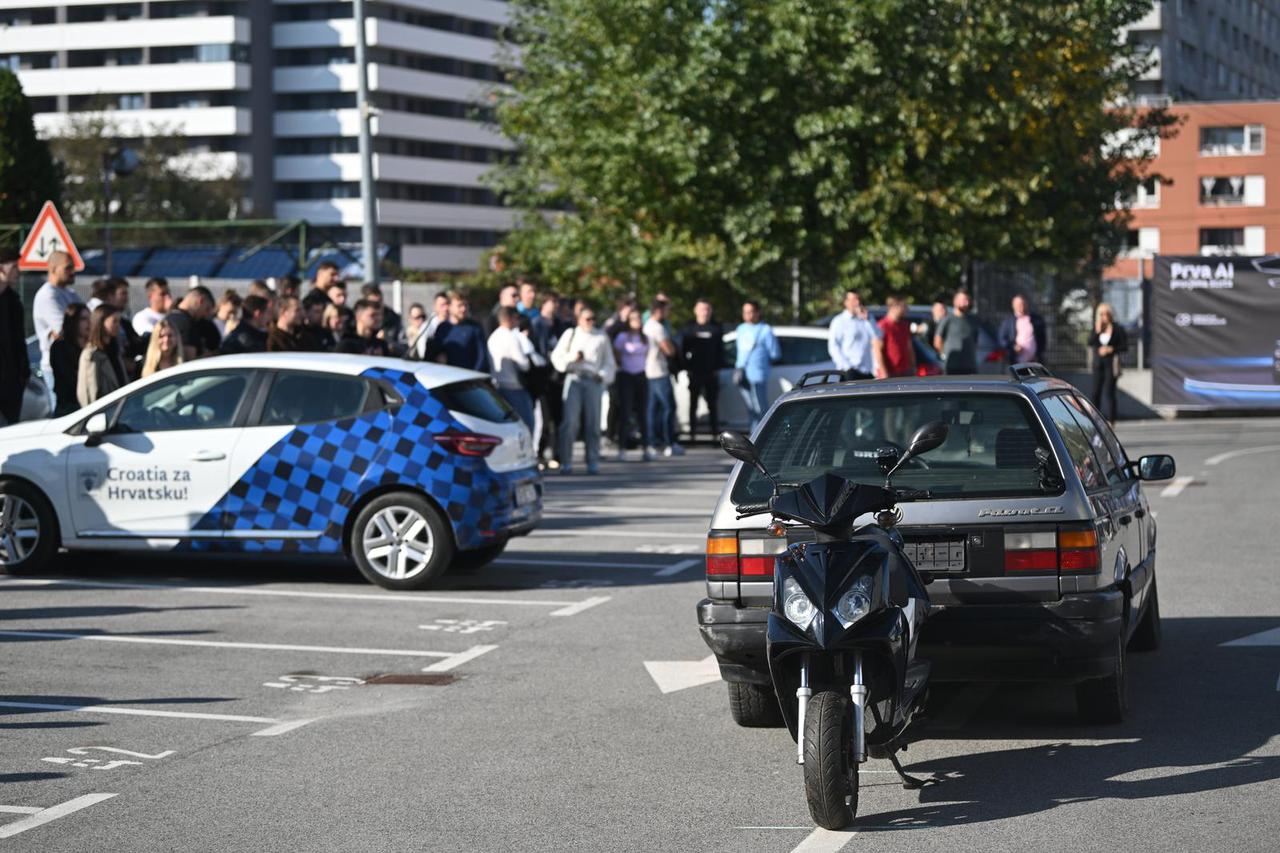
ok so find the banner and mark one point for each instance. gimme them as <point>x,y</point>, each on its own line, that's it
<point>1216,332</point>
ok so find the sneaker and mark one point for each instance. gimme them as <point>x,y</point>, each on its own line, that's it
<point>622,456</point>
<point>666,451</point>
<point>676,449</point>
<point>553,465</point>
<point>566,469</point>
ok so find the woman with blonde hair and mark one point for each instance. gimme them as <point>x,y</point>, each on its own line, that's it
<point>164,350</point>
<point>1106,343</point>
<point>101,369</point>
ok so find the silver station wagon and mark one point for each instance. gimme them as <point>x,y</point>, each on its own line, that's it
<point>1035,536</point>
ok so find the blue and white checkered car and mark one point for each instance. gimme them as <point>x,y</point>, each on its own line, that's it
<point>407,468</point>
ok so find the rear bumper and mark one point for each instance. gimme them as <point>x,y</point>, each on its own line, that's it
<point>1072,639</point>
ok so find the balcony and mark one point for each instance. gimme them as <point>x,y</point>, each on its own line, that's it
<point>178,77</point>
<point>111,35</point>
<point>203,121</point>
<point>1152,21</point>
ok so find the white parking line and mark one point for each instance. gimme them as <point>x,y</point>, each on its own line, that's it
<point>20,809</point>
<point>138,712</point>
<point>43,816</point>
<point>579,606</point>
<point>1175,488</point>
<point>517,560</point>
<point>605,532</point>
<point>823,841</point>
<point>281,728</point>
<point>1244,451</point>
<point>459,659</point>
<point>399,598</point>
<point>220,644</point>
<point>677,568</point>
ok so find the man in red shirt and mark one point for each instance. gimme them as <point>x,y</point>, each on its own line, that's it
<point>899,356</point>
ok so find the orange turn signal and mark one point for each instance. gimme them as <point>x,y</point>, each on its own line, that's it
<point>1077,539</point>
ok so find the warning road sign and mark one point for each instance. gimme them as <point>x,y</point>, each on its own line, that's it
<point>47,236</point>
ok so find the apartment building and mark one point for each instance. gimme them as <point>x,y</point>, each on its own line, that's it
<point>1209,50</point>
<point>1220,193</point>
<point>267,87</point>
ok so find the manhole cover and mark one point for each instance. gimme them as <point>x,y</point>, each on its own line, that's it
<point>436,680</point>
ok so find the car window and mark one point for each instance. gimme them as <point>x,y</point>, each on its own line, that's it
<point>795,350</point>
<point>1088,468</point>
<point>990,449</point>
<point>1108,437</point>
<point>1111,472</point>
<point>304,398</point>
<point>475,398</point>
<point>190,401</point>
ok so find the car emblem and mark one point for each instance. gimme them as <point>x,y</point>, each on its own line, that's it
<point>1031,510</point>
<point>90,479</point>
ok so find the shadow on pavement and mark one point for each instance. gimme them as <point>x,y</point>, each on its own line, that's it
<point>88,612</point>
<point>1198,712</point>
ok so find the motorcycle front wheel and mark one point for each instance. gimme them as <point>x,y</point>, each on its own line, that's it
<point>830,774</point>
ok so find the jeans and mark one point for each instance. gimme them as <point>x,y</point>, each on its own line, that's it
<point>521,402</point>
<point>632,400</point>
<point>582,400</point>
<point>661,404</point>
<point>755,395</point>
<point>706,386</point>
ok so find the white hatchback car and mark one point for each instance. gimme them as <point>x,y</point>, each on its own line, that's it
<point>404,467</point>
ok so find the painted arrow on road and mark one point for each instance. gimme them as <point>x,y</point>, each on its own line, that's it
<point>1269,637</point>
<point>673,675</point>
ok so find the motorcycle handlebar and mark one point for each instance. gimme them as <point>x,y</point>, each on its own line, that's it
<point>751,509</point>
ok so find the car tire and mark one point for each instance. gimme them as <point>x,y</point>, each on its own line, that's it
<point>1148,635</point>
<point>401,541</point>
<point>28,529</point>
<point>474,559</point>
<point>1105,701</point>
<point>754,706</point>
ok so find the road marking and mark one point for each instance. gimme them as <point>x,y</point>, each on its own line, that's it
<point>459,659</point>
<point>624,510</point>
<point>221,644</point>
<point>824,841</point>
<point>605,532</point>
<point>677,568</point>
<point>1175,488</point>
<point>20,809</point>
<point>563,564</point>
<point>43,816</point>
<point>577,496</point>
<point>673,675</point>
<point>281,728</point>
<point>1244,451</point>
<point>401,598</point>
<point>579,606</point>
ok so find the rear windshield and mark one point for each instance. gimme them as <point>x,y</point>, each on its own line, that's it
<point>475,398</point>
<point>989,452</point>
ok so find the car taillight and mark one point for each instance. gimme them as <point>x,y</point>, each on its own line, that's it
<point>468,443</point>
<point>1063,550</point>
<point>996,355</point>
<point>722,555</point>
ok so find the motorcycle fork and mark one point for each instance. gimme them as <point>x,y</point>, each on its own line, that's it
<point>802,704</point>
<point>858,692</point>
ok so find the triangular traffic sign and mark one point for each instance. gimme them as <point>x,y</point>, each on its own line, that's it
<point>47,236</point>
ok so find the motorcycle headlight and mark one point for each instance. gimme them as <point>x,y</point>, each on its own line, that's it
<point>796,606</point>
<point>856,603</point>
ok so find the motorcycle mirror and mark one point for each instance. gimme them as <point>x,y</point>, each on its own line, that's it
<point>929,437</point>
<point>740,447</point>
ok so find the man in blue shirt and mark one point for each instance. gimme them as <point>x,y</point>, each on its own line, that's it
<point>460,341</point>
<point>757,349</point>
<point>855,343</point>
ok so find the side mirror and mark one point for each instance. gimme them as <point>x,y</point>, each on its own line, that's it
<point>1156,467</point>
<point>740,447</point>
<point>95,429</point>
<point>929,437</point>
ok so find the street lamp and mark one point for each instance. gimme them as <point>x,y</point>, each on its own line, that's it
<point>368,228</point>
<point>120,162</point>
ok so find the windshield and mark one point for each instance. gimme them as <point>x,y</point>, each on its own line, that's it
<point>990,450</point>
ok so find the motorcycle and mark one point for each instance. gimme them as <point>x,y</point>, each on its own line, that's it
<point>847,612</point>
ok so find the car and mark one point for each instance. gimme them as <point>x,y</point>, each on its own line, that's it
<point>803,349</point>
<point>1036,535</point>
<point>406,468</point>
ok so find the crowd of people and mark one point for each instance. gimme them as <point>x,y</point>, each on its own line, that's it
<point>552,359</point>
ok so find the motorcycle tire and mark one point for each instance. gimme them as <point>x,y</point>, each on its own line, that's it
<point>754,706</point>
<point>830,774</point>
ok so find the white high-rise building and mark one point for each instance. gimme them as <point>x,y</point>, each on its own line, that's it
<point>268,87</point>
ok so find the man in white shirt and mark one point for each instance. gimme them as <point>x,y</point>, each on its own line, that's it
<point>510,352</point>
<point>585,356</point>
<point>855,343</point>
<point>52,300</point>
<point>158,304</point>
<point>658,371</point>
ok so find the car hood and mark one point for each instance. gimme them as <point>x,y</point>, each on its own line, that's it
<point>26,429</point>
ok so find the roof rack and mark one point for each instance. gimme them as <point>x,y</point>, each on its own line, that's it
<point>824,377</point>
<point>1030,370</point>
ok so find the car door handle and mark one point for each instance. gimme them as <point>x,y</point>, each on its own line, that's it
<point>207,456</point>
<point>1126,519</point>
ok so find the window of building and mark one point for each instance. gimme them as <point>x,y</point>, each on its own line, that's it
<point>1221,241</point>
<point>1247,190</point>
<point>199,53</point>
<point>1140,243</point>
<point>1145,195</point>
<point>1232,140</point>
<point>316,101</point>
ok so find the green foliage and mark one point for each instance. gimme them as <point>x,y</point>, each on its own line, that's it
<point>168,183</point>
<point>28,177</point>
<point>701,145</point>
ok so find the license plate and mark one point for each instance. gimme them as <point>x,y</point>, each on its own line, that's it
<point>526,493</point>
<point>936,555</point>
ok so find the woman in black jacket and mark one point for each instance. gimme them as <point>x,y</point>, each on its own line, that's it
<point>1107,342</point>
<point>64,358</point>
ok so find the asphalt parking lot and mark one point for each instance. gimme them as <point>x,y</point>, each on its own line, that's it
<point>562,699</point>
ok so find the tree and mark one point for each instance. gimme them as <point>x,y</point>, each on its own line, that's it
<point>884,144</point>
<point>28,177</point>
<point>170,182</point>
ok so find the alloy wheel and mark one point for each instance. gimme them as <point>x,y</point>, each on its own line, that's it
<point>19,530</point>
<point>397,543</point>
